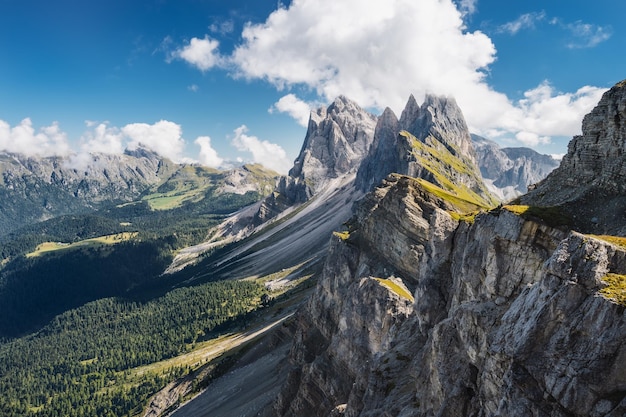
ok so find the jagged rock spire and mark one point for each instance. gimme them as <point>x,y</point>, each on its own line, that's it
<point>337,139</point>
<point>438,123</point>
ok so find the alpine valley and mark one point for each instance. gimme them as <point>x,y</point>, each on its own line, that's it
<point>401,268</point>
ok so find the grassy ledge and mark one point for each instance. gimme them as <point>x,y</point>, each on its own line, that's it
<point>342,235</point>
<point>397,289</point>
<point>552,216</point>
<point>615,289</point>
<point>615,240</point>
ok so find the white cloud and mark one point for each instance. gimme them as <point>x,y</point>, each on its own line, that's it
<point>208,155</point>
<point>193,87</point>
<point>263,152</point>
<point>542,113</point>
<point>224,27</point>
<point>163,137</point>
<point>525,21</point>
<point>201,53</point>
<point>587,35</point>
<point>531,139</point>
<point>467,6</point>
<point>23,139</point>
<point>102,139</point>
<point>294,107</point>
<point>388,50</point>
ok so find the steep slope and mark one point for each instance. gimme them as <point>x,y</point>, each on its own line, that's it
<point>509,171</point>
<point>590,183</point>
<point>293,223</point>
<point>418,313</point>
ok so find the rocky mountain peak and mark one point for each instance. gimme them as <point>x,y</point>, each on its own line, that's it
<point>590,183</point>
<point>431,141</point>
<point>410,114</point>
<point>336,141</point>
<point>442,118</point>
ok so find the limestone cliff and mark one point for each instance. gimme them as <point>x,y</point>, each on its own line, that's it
<point>425,308</point>
<point>431,141</point>
<point>506,317</point>
<point>337,139</point>
<point>590,183</point>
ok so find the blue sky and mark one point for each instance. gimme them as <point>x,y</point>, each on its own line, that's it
<point>216,81</point>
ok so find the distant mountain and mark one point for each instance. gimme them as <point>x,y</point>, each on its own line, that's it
<point>36,189</point>
<point>509,171</point>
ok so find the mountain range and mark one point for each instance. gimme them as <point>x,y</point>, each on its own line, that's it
<point>413,274</point>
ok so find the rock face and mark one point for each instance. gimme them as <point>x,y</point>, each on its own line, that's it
<point>422,311</point>
<point>429,141</point>
<point>509,171</point>
<point>337,139</point>
<point>506,318</point>
<point>590,183</point>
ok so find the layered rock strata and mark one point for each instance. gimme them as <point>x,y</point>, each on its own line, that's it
<point>590,183</point>
<point>506,317</point>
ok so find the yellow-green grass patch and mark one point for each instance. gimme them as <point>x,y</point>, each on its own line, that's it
<point>342,235</point>
<point>397,289</point>
<point>48,247</point>
<point>615,289</point>
<point>615,240</point>
<point>552,215</point>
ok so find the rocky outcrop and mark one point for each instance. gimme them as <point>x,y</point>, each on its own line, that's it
<point>337,139</point>
<point>590,183</point>
<point>508,172</point>
<point>431,141</point>
<point>506,318</point>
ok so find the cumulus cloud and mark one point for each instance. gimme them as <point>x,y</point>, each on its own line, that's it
<point>201,53</point>
<point>208,155</point>
<point>294,107</point>
<point>102,139</point>
<point>25,140</point>
<point>525,21</point>
<point>542,113</point>
<point>163,137</point>
<point>268,154</point>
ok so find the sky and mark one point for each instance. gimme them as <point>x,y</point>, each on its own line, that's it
<point>222,83</point>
